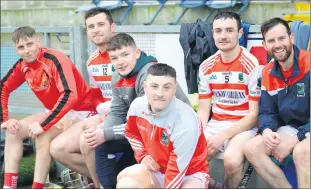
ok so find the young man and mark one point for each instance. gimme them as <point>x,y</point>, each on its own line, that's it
<point>166,136</point>
<point>131,66</point>
<point>70,148</point>
<point>284,108</point>
<point>232,77</point>
<point>58,85</point>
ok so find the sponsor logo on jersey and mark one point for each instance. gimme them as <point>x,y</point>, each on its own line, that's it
<point>229,97</point>
<point>95,70</point>
<point>213,77</point>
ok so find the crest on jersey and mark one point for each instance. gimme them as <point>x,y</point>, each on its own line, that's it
<point>300,90</point>
<point>164,138</point>
<point>44,83</point>
<point>241,77</point>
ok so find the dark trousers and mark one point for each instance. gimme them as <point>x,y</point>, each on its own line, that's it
<point>108,168</point>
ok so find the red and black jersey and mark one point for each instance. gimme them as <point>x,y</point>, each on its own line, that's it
<point>55,81</point>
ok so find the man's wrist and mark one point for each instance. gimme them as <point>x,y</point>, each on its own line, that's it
<point>267,130</point>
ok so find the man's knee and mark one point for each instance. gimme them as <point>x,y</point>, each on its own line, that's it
<point>192,184</point>
<point>12,137</point>
<point>249,150</point>
<point>136,176</point>
<point>57,148</point>
<point>301,153</point>
<point>232,164</point>
<point>84,147</point>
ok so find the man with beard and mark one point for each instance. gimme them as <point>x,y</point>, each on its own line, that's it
<point>232,76</point>
<point>284,108</point>
<point>71,148</point>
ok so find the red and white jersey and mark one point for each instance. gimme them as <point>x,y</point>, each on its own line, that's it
<point>173,138</point>
<point>100,72</point>
<point>231,84</point>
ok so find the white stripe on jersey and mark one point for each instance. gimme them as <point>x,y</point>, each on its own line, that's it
<point>218,110</point>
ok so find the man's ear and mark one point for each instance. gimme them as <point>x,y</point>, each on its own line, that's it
<point>113,27</point>
<point>137,53</point>
<point>39,41</point>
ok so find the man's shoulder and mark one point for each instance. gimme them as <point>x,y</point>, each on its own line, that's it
<point>144,69</point>
<point>210,61</point>
<point>138,105</point>
<point>184,113</point>
<point>54,52</point>
<point>268,68</point>
<point>248,60</point>
<point>92,57</point>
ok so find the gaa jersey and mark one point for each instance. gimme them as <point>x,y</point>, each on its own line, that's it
<point>231,85</point>
<point>100,71</point>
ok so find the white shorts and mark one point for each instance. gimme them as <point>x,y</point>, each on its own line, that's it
<point>203,177</point>
<point>73,117</point>
<point>215,127</point>
<point>288,130</point>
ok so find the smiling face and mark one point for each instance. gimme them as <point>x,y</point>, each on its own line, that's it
<point>160,91</point>
<point>28,48</point>
<point>278,43</point>
<point>226,34</point>
<point>99,29</point>
<point>124,59</point>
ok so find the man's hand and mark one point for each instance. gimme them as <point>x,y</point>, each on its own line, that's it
<point>271,139</point>
<point>149,162</point>
<point>35,130</point>
<point>12,125</point>
<point>94,135</point>
<point>285,148</point>
<point>213,144</point>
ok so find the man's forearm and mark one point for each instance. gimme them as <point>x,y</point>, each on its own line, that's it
<point>203,116</point>
<point>244,124</point>
<point>114,133</point>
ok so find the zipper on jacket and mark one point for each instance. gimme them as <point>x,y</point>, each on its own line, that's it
<point>152,128</point>
<point>286,85</point>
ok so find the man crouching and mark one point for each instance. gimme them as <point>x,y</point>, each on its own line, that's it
<point>166,137</point>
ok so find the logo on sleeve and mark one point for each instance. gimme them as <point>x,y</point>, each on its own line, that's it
<point>300,90</point>
<point>164,138</point>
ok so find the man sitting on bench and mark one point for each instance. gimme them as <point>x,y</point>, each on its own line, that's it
<point>284,109</point>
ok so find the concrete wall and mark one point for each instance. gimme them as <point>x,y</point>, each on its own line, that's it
<point>62,13</point>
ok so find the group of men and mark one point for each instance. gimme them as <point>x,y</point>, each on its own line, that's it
<point>133,127</point>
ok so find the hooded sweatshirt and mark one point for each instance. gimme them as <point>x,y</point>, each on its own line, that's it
<point>124,91</point>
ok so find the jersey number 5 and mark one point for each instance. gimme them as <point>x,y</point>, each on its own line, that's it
<point>226,78</point>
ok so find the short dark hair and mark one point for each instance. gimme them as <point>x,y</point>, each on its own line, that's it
<point>231,15</point>
<point>161,69</point>
<point>23,33</point>
<point>97,10</point>
<point>120,40</point>
<point>267,25</point>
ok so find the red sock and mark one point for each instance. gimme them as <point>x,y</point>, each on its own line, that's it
<point>10,180</point>
<point>36,185</point>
